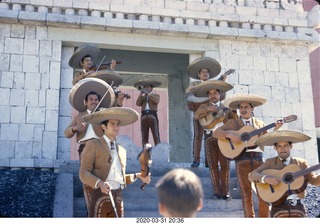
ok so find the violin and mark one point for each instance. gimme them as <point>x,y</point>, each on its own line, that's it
<point>104,66</point>
<point>126,95</point>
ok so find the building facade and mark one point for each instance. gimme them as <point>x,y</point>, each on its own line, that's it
<point>268,43</point>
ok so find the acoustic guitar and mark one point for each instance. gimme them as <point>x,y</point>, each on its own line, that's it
<point>292,181</point>
<point>248,135</point>
<point>212,119</point>
<point>193,102</point>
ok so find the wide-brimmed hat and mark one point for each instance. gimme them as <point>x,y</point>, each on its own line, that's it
<point>203,88</point>
<point>82,88</point>
<point>205,62</point>
<point>83,50</point>
<point>271,138</point>
<point>147,82</point>
<point>111,77</point>
<point>124,115</point>
<point>234,100</point>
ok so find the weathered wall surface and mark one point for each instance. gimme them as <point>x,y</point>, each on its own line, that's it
<point>268,44</point>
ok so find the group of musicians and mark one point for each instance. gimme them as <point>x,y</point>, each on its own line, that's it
<point>231,135</point>
<point>223,125</point>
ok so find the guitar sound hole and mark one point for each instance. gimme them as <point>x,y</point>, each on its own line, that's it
<point>287,178</point>
<point>245,137</point>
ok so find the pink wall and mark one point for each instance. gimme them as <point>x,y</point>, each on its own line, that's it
<point>133,131</point>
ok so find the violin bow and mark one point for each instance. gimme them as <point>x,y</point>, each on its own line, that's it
<point>100,63</point>
<point>102,98</point>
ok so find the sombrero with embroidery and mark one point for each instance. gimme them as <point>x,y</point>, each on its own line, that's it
<point>234,100</point>
<point>82,88</point>
<point>205,62</point>
<point>83,50</point>
<point>271,138</point>
<point>203,88</point>
<point>147,82</point>
<point>124,115</point>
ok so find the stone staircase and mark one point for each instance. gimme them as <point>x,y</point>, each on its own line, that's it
<point>144,203</point>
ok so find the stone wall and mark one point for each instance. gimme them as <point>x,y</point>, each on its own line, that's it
<point>266,42</point>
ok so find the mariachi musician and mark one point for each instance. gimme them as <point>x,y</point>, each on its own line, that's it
<point>210,116</point>
<point>202,69</point>
<point>84,60</point>
<point>252,158</point>
<point>148,101</point>
<point>268,175</point>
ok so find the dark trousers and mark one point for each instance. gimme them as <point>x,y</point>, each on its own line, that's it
<point>101,206</point>
<point>219,166</point>
<point>149,120</point>
<point>197,140</point>
<point>243,168</point>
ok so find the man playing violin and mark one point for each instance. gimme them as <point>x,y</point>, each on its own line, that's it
<point>282,140</point>
<point>202,69</point>
<point>252,158</point>
<point>84,61</point>
<point>215,113</point>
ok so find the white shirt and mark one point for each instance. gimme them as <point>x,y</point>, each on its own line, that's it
<point>90,134</point>
<point>147,105</point>
<point>115,177</point>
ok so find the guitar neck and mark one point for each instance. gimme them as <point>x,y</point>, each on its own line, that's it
<point>305,171</point>
<point>230,71</point>
<point>260,130</point>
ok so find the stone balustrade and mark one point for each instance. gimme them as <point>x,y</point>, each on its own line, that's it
<point>253,19</point>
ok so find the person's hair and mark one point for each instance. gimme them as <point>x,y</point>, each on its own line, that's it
<point>275,144</point>
<point>105,122</point>
<point>202,69</point>
<point>86,56</point>
<point>91,93</point>
<point>180,191</point>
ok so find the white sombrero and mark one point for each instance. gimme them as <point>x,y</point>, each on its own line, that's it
<point>81,89</point>
<point>271,138</point>
<point>83,50</point>
<point>209,63</point>
<point>203,88</point>
<point>124,115</point>
<point>234,100</point>
<point>111,77</point>
<point>147,82</point>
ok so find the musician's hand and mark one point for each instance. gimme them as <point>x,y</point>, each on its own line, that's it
<point>224,77</point>
<point>146,179</point>
<point>120,96</point>
<point>233,137</point>
<point>272,180</point>
<point>113,64</point>
<point>279,124</point>
<point>89,73</point>
<point>79,127</point>
<point>104,187</point>
<point>212,108</point>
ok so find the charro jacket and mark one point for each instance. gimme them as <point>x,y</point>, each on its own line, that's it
<point>96,162</point>
<point>154,100</point>
<point>80,134</point>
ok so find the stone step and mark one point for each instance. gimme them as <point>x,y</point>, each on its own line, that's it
<point>149,208</point>
<point>204,213</point>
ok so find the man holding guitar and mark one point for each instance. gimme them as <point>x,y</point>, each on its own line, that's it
<point>203,69</point>
<point>281,180</point>
<point>251,157</point>
<point>212,115</point>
